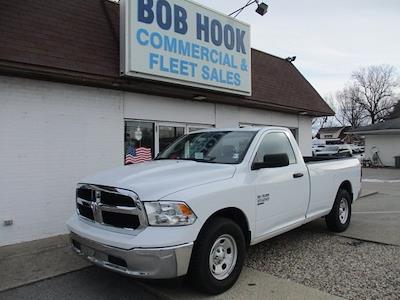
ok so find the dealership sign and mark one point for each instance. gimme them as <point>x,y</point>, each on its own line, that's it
<point>181,42</point>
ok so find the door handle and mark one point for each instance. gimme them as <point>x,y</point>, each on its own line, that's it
<point>298,175</point>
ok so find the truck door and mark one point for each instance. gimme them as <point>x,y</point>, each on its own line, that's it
<point>281,192</point>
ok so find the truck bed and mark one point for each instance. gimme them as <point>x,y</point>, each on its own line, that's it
<point>326,175</point>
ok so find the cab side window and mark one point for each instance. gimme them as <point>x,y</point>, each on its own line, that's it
<point>275,143</point>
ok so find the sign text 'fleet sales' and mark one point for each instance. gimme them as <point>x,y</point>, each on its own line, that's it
<point>181,42</point>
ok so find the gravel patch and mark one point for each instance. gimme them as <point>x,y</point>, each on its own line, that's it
<point>337,265</point>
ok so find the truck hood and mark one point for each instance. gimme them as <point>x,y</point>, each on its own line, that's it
<point>156,179</point>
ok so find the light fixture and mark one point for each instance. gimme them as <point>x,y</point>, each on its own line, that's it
<point>290,59</point>
<point>199,97</point>
<point>262,8</point>
<point>303,113</point>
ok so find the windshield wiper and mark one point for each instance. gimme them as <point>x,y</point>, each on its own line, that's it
<point>210,160</point>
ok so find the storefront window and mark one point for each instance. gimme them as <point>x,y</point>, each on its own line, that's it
<point>295,133</point>
<point>139,141</point>
<point>191,129</point>
<point>168,134</point>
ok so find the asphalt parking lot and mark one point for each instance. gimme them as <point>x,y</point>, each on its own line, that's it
<point>306,263</point>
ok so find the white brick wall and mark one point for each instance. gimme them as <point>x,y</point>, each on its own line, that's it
<point>387,144</point>
<point>53,134</point>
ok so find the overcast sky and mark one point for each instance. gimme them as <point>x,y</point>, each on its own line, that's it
<point>329,38</point>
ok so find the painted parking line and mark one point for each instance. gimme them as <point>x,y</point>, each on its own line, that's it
<point>376,212</point>
<point>382,180</point>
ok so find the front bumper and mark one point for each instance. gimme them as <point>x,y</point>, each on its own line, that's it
<point>155,263</point>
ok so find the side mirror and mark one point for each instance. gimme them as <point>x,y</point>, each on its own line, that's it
<point>272,161</point>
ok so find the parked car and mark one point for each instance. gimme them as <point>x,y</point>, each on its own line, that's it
<point>317,148</point>
<point>335,150</point>
<point>356,149</point>
<point>203,201</point>
<point>346,149</point>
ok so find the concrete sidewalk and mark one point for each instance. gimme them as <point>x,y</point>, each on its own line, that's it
<point>376,217</point>
<point>28,262</point>
<point>31,262</point>
<point>383,174</point>
<point>252,284</point>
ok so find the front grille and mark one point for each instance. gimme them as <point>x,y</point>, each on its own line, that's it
<point>109,206</point>
<point>85,211</point>
<point>116,199</point>
<point>85,194</point>
<point>121,220</point>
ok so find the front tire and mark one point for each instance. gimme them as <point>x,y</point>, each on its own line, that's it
<point>218,256</point>
<point>338,219</point>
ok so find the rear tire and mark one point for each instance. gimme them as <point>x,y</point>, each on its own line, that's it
<point>338,219</point>
<point>218,256</point>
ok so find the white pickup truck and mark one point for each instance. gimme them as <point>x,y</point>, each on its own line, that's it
<point>202,202</point>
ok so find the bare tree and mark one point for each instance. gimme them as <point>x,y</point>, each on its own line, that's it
<point>374,87</point>
<point>349,110</point>
<point>326,121</point>
<point>396,111</point>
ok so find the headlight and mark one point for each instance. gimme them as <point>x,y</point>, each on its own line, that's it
<point>168,213</point>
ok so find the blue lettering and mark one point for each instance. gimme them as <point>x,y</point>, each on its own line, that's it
<point>221,76</point>
<point>183,48</point>
<point>184,68</point>
<point>229,78</point>
<point>216,32</point>
<point>193,65</point>
<point>233,65</point>
<point>145,12</point>
<point>229,37</point>
<point>153,60</point>
<point>205,73</point>
<point>227,61</point>
<point>156,40</point>
<point>240,41</point>
<point>202,28</point>
<point>214,56</point>
<point>140,33</point>
<point>196,51</point>
<point>164,9</point>
<point>180,17</point>
<point>173,63</point>
<point>214,75</point>
<point>162,65</point>
<point>237,79</point>
<point>205,53</point>
<point>170,44</point>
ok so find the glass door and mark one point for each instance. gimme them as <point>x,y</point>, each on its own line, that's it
<point>168,133</point>
<point>195,127</point>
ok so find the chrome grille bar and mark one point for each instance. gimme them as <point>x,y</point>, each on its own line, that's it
<point>98,208</point>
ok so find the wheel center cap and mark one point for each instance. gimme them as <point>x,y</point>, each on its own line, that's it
<point>219,255</point>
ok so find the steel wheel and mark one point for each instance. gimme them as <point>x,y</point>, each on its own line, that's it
<point>223,256</point>
<point>343,210</point>
<point>339,218</point>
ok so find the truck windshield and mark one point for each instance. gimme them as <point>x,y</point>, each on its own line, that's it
<point>224,147</point>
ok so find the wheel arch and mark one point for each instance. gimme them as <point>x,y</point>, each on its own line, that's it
<point>346,185</point>
<point>237,216</point>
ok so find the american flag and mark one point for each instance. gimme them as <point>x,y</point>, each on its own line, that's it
<point>137,155</point>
